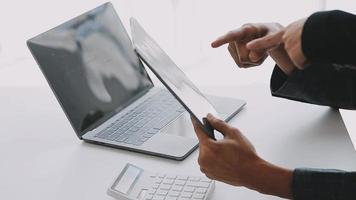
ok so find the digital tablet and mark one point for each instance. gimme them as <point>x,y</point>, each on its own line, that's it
<point>172,77</point>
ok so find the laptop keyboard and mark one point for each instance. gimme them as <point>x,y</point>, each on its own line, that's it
<point>143,121</point>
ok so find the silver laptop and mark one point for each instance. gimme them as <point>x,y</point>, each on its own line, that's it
<point>108,97</point>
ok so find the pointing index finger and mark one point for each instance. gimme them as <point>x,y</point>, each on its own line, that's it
<point>234,35</point>
<point>266,42</point>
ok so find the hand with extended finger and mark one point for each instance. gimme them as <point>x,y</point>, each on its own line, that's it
<point>291,40</point>
<point>238,39</point>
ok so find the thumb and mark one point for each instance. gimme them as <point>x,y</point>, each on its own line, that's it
<point>220,125</point>
<point>202,136</point>
<point>267,42</point>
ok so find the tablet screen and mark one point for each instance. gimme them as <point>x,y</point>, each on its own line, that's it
<point>170,74</point>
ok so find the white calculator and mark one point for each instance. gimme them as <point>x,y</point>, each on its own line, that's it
<point>134,183</point>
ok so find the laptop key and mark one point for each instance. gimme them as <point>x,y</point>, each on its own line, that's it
<point>133,129</point>
<point>112,136</point>
<point>147,135</point>
<point>144,139</point>
<point>141,123</point>
<point>153,131</point>
<point>130,140</point>
<point>121,138</point>
<point>138,142</point>
<point>104,134</point>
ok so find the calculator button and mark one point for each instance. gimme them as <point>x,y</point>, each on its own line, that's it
<point>202,184</point>
<point>182,177</point>
<point>158,198</point>
<point>179,182</point>
<point>206,180</point>
<point>165,187</point>
<point>155,186</point>
<point>194,178</point>
<point>201,190</point>
<point>162,192</point>
<point>198,196</point>
<point>170,177</point>
<point>170,198</point>
<point>177,188</point>
<point>173,194</point>
<point>186,195</point>
<point>158,180</point>
<point>161,175</point>
<point>149,197</point>
<point>192,183</point>
<point>189,189</point>
<point>152,191</point>
<point>168,181</point>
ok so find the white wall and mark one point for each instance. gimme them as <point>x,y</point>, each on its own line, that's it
<point>183,28</point>
<point>346,5</point>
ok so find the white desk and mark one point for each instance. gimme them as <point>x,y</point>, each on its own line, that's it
<point>41,158</point>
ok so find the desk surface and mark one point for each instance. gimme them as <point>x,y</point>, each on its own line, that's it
<point>41,157</point>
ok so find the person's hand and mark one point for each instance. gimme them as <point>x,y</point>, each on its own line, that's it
<point>290,37</point>
<point>228,160</point>
<point>234,160</point>
<point>246,57</point>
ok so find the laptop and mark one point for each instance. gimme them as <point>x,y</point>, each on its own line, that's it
<point>106,93</point>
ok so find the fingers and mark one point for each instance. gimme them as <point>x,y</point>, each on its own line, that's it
<point>231,36</point>
<point>267,42</point>
<point>233,53</point>
<point>202,136</point>
<point>257,56</point>
<point>220,125</point>
<point>243,53</point>
<point>244,32</point>
<point>253,57</point>
<point>237,40</point>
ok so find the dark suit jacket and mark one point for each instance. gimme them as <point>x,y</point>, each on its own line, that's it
<point>329,43</point>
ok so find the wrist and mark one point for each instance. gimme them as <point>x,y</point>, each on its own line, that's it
<point>271,179</point>
<point>280,56</point>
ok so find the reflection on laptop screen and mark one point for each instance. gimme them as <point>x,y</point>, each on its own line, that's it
<point>91,66</point>
<point>166,69</point>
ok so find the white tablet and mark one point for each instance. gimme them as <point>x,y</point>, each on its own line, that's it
<point>172,77</point>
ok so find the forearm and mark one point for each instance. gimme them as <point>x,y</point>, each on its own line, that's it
<point>272,180</point>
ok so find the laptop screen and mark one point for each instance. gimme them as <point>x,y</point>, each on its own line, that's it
<point>91,66</point>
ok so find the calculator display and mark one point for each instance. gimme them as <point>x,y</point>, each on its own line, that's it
<point>128,178</point>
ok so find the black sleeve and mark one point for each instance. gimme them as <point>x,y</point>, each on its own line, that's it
<point>330,37</point>
<point>323,84</point>
<point>314,184</point>
<point>329,43</point>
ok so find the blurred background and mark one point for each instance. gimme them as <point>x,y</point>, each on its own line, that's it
<point>184,28</point>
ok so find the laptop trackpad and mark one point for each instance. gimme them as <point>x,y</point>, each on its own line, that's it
<point>182,126</point>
